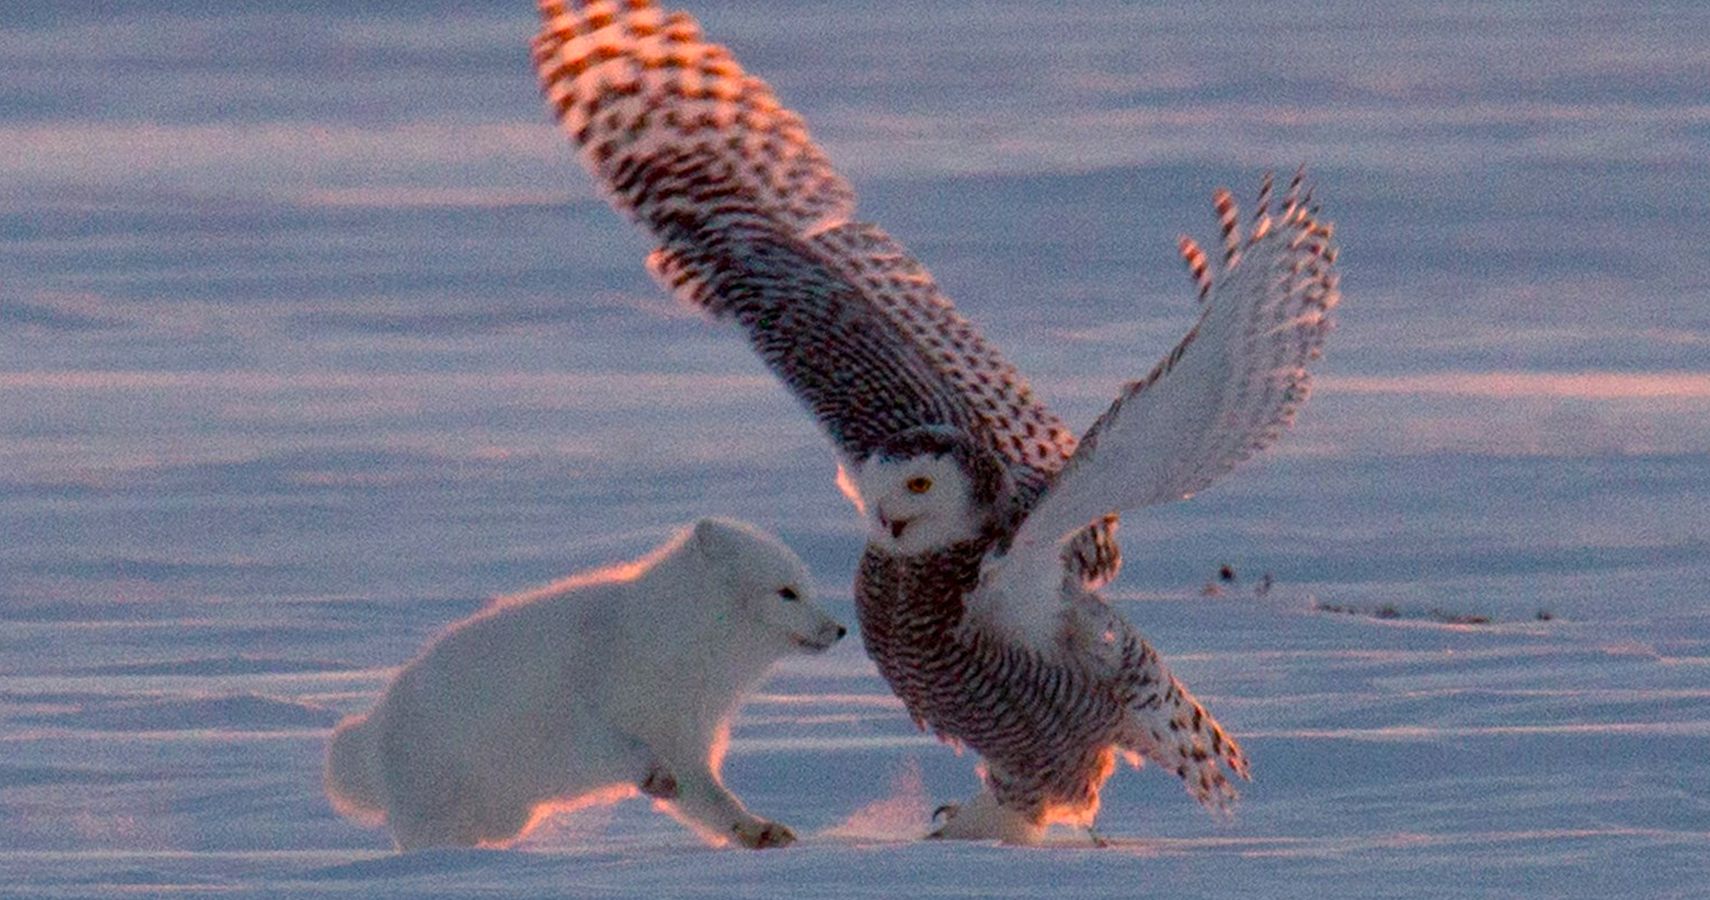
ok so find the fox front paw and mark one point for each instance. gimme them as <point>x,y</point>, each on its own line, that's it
<point>759,835</point>
<point>659,783</point>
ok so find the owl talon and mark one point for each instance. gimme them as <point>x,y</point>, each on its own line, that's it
<point>984,819</point>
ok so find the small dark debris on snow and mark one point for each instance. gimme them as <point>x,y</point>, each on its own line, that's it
<point>1391,611</point>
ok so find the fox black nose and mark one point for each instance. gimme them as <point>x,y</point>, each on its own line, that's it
<point>841,631</point>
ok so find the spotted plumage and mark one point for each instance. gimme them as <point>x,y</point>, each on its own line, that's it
<point>992,526</point>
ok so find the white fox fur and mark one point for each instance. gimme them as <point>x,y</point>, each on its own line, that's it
<point>591,688</point>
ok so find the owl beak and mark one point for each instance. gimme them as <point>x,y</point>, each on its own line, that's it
<point>895,526</point>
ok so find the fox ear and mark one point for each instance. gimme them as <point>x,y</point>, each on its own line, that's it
<point>716,539</point>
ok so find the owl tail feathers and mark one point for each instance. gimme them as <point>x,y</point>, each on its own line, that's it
<point>1170,728</point>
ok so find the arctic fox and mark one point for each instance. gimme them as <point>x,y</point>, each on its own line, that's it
<point>588,689</point>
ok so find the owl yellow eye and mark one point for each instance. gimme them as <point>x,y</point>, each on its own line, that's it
<point>919,484</point>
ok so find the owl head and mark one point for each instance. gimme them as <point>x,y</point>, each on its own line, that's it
<point>929,487</point>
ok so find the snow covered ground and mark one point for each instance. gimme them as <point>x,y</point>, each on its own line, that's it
<point>312,336</point>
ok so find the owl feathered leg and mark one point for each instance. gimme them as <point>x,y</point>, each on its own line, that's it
<point>1017,807</point>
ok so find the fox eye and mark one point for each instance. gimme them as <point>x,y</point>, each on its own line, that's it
<point>919,484</point>
<point>789,594</point>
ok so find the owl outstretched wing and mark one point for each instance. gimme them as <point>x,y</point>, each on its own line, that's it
<point>755,226</point>
<point>1225,392</point>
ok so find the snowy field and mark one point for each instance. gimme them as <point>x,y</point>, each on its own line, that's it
<point>313,336</point>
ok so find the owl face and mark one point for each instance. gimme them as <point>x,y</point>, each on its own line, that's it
<point>918,503</point>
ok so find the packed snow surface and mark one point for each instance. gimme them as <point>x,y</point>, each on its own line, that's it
<point>313,337</point>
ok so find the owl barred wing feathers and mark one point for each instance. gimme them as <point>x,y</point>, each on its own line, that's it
<point>842,360</point>
<point>1020,428</point>
<point>754,225</point>
<point>631,82</point>
<point>1228,390</point>
<point>1225,392</point>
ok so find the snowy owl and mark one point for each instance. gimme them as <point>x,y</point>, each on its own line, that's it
<point>992,526</point>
